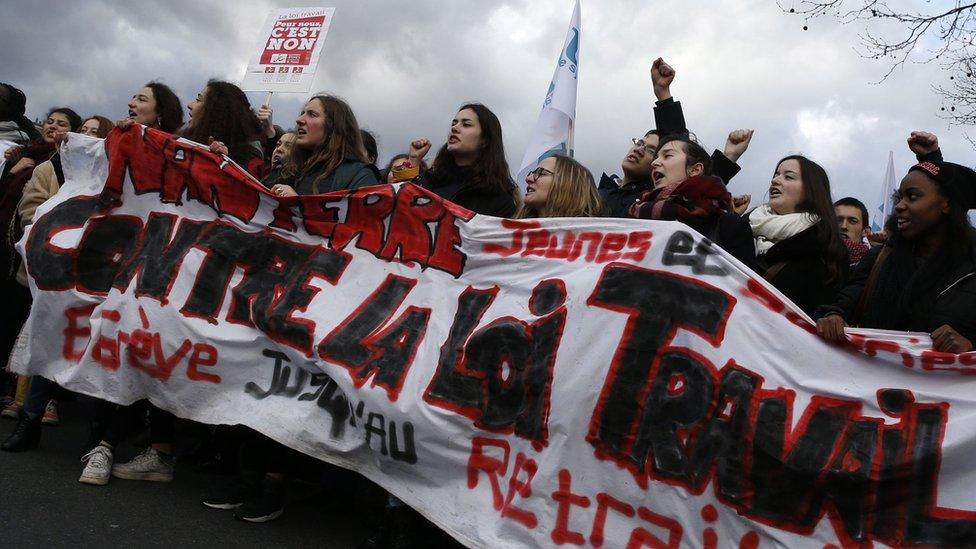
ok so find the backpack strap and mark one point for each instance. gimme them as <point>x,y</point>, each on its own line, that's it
<point>774,270</point>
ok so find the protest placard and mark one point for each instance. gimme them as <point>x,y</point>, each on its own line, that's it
<point>288,50</point>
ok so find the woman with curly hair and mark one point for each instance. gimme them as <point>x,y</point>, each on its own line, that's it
<point>221,116</point>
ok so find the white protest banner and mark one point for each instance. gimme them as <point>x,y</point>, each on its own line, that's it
<point>582,382</point>
<point>288,51</point>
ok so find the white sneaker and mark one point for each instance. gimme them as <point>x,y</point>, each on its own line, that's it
<point>99,466</point>
<point>148,465</point>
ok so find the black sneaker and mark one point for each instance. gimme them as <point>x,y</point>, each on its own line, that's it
<point>230,496</point>
<point>266,506</point>
<point>402,528</point>
<point>26,435</point>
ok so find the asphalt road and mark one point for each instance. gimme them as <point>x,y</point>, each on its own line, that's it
<point>42,504</point>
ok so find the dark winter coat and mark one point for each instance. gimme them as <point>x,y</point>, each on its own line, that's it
<point>619,198</point>
<point>670,119</point>
<point>732,233</point>
<point>949,299</point>
<point>11,191</point>
<point>251,158</point>
<point>458,186</point>
<point>803,274</point>
<point>350,174</point>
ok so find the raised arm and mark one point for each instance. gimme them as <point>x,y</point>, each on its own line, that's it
<point>724,163</point>
<point>668,117</point>
<point>925,145</point>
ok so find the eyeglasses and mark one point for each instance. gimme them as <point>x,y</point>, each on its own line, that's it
<point>539,172</point>
<point>648,149</point>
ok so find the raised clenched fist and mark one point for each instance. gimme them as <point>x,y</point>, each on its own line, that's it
<point>419,148</point>
<point>662,75</point>
<point>923,142</point>
<point>741,203</point>
<point>737,144</point>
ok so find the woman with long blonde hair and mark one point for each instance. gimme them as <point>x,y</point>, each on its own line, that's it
<point>560,187</point>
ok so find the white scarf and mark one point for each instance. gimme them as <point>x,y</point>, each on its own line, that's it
<point>768,227</point>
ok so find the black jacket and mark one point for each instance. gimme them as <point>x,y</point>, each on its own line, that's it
<point>670,119</point>
<point>618,198</point>
<point>349,175</point>
<point>458,186</point>
<point>803,275</point>
<point>950,299</point>
<point>730,232</point>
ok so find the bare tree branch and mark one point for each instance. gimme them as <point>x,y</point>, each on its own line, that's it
<point>944,36</point>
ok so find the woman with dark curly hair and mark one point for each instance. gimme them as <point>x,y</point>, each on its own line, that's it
<point>221,116</point>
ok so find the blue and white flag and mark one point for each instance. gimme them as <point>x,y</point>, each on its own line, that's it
<point>885,204</point>
<point>553,131</point>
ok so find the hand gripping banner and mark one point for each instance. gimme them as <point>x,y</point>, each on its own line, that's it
<point>558,382</point>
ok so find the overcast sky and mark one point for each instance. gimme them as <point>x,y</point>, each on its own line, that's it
<point>406,67</point>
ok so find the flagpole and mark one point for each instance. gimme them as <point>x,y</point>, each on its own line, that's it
<point>570,141</point>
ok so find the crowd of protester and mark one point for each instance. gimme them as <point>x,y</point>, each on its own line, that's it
<point>917,274</point>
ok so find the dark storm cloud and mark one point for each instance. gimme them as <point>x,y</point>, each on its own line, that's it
<point>406,67</point>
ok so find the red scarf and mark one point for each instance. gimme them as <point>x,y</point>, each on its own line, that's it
<point>856,250</point>
<point>701,196</point>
